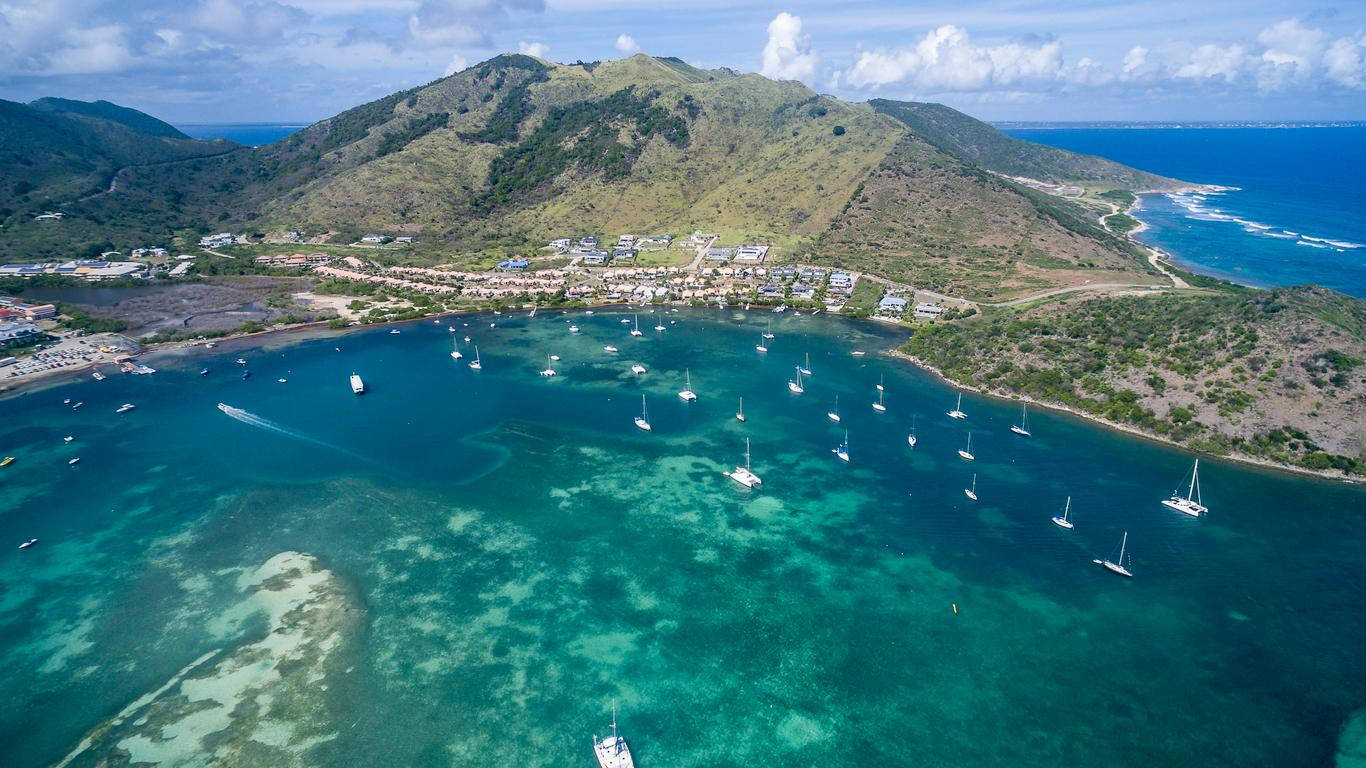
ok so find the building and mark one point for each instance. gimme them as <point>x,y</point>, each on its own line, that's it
<point>37,311</point>
<point>770,291</point>
<point>841,281</point>
<point>594,258</point>
<point>752,254</point>
<point>408,239</point>
<point>293,260</point>
<point>720,254</point>
<point>353,262</point>
<point>374,239</point>
<point>624,255</point>
<point>893,305</point>
<point>218,241</point>
<point>928,311</point>
<point>12,334</point>
<point>782,273</point>
<point>589,242</point>
<point>181,269</point>
<point>513,265</point>
<point>560,244</point>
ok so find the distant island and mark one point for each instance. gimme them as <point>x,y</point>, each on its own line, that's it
<point>521,182</point>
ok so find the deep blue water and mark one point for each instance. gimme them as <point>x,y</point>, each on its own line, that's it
<point>251,134</point>
<point>1296,216</point>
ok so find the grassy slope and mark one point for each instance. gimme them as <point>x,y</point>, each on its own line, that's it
<point>928,219</point>
<point>1271,374</point>
<point>976,142</point>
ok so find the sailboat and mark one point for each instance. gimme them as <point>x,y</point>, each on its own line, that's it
<point>878,406</point>
<point>1064,521</point>
<point>966,453</point>
<point>795,387</point>
<point>1191,502</point>
<point>455,349</point>
<point>843,450</point>
<point>971,493</point>
<point>879,383</point>
<point>636,330</point>
<point>740,414</point>
<point>643,420</point>
<point>957,412</point>
<point>760,346</point>
<point>911,438</point>
<point>612,752</point>
<point>743,475</point>
<point>638,369</point>
<point>573,329</point>
<point>475,365</point>
<point>1117,566</point>
<point>806,369</point>
<point>687,395</point>
<point>659,326</point>
<point>1022,428</point>
<point>769,333</point>
<point>835,414</point>
<point>549,369</point>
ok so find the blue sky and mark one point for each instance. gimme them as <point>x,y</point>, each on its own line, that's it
<point>301,60</point>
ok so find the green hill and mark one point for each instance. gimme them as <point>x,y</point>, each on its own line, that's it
<point>138,121</point>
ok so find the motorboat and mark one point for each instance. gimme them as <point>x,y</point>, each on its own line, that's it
<point>27,544</point>
<point>357,386</point>
<point>125,408</point>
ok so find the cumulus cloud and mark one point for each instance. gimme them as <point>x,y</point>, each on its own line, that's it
<point>787,54</point>
<point>947,60</point>
<point>627,44</point>
<point>464,22</point>
<point>456,64</point>
<point>539,50</point>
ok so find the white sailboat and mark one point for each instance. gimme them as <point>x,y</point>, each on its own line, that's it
<point>806,369</point>
<point>612,752</point>
<point>879,383</point>
<point>743,475</point>
<point>843,450</point>
<point>659,326</point>
<point>573,329</point>
<point>911,438</point>
<point>636,330</point>
<point>687,395</point>
<point>1117,565</point>
<point>971,493</point>
<point>835,414</point>
<point>760,346</point>
<point>957,412</point>
<point>740,414</point>
<point>1191,502</point>
<point>455,349</point>
<point>475,364</point>
<point>643,420</point>
<point>878,406</point>
<point>966,453</point>
<point>609,349</point>
<point>638,369</point>
<point>549,368</point>
<point>795,387</point>
<point>1064,520</point>
<point>768,334</point>
<point>1022,428</point>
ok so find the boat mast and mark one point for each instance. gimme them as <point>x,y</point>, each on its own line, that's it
<point>1122,543</point>
<point>747,453</point>
<point>1067,508</point>
<point>616,740</point>
<point>1195,475</point>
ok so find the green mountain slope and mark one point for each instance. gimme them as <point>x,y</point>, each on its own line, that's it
<point>975,142</point>
<point>138,121</point>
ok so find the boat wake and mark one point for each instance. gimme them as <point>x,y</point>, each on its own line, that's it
<point>251,419</point>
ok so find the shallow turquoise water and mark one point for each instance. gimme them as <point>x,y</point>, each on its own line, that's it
<point>507,554</point>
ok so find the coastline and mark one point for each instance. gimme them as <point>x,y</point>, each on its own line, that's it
<point>1126,428</point>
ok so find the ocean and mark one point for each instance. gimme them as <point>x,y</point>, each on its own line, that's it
<point>466,568</point>
<point>1295,216</point>
<point>250,134</point>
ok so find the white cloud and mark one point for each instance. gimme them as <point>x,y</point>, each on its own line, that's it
<point>627,44</point>
<point>787,54</point>
<point>539,50</point>
<point>456,64</point>
<point>96,50</point>
<point>947,60</point>
<point>464,22</point>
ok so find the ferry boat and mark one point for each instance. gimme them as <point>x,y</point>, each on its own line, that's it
<point>1064,520</point>
<point>357,386</point>
<point>957,412</point>
<point>612,752</point>
<point>687,395</point>
<point>743,475</point>
<point>966,453</point>
<point>1117,566</point>
<point>642,422</point>
<point>795,387</point>
<point>638,369</point>
<point>28,543</point>
<point>1190,503</point>
<point>125,408</point>
<point>971,493</point>
<point>1022,429</point>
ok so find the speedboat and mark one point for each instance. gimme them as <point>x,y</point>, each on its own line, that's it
<point>5,462</point>
<point>282,381</point>
<point>66,401</point>
<point>98,376</point>
<point>241,361</point>
<point>125,408</point>
<point>28,543</point>
<point>554,358</point>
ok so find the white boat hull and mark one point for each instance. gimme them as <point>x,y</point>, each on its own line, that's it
<point>1020,431</point>
<point>795,388</point>
<point>965,456</point>
<point>1061,523</point>
<point>911,440</point>
<point>957,415</point>
<point>687,396</point>
<point>1185,506</point>
<point>879,407</point>
<point>971,494</point>
<point>744,477</point>
<point>642,424</point>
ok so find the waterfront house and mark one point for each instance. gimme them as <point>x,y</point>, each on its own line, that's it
<point>13,334</point>
<point>892,305</point>
<point>373,239</point>
<point>928,311</point>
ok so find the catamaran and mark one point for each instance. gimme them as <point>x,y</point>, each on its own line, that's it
<point>966,453</point>
<point>573,329</point>
<point>843,450</point>
<point>455,349</point>
<point>357,386</point>
<point>740,414</point>
<point>957,412</point>
<point>475,364</point>
<point>1191,502</point>
<point>659,326</point>
<point>760,346</point>
<point>743,475</point>
<point>687,395</point>
<point>638,369</point>
<point>643,420</point>
<point>911,438</point>
<point>549,368</point>
<point>878,406</point>
<point>1023,427</point>
<point>796,386</point>
<point>1117,566</point>
<point>636,330</point>
<point>971,493</point>
<point>806,369</point>
<point>835,414</point>
<point>612,752</point>
<point>768,334</point>
<point>1064,520</point>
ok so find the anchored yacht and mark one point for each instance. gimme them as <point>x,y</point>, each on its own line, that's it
<point>743,475</point>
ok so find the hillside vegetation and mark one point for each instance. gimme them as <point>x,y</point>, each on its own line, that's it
<point>1278,375</point>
